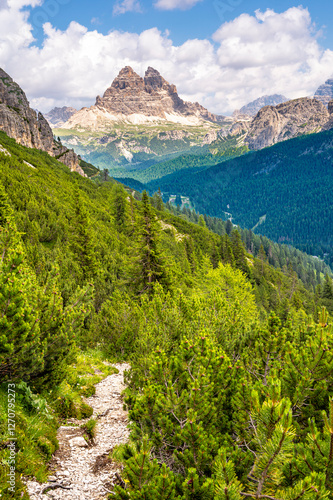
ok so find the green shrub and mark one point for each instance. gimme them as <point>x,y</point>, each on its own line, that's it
<point>46,447</point>
<point>90,428</point>
<point>86,410</point>
<point>88,390</point>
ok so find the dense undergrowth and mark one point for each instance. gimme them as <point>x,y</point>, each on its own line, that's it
<point>230,356</point>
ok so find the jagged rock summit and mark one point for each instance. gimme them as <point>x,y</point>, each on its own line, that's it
<point>324,93</point>
<point>29,127</point>
<point>293,118</point>
<point>137,100</point>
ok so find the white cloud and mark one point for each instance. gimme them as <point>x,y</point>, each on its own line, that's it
<point>96,21</point>
<point>250,56</point>
<point>121,7</point>
<point>267,39</point>
<point>175,4</point>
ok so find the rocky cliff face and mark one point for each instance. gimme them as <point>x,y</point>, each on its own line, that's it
<point>149,96</point>
<point>26,126</point>
<point>58,116</point>
<point>139,100</point>
<point>324,93</point>
<point>285,121</point>
<point>329,124</point>
<point>253,107</point>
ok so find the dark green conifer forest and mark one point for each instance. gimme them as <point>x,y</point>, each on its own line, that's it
<point>229,338</point>
<point>282,192</point>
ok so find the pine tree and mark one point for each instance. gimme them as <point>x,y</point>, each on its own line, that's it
<point>119,208</point>
<point>144,479</point>
<point>229,227</point>
<point>315,453</point>
<point>60,327</point>
<point>271,441</point>
<point>226,251</point>
<point>20,346</point>
<point>239,252</point>
<point>150,265</point>
<point>82,241</point>
<point>327,292</point>
<point>202,222</point>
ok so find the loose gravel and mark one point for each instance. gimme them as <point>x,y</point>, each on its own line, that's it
<point>82,471</point>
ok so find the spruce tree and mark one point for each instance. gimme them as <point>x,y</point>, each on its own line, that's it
<point>119,208</point>
<point>82,241</point>
<point>239,252</point>
<point>327,292</point>
<point>150,265</point>
<point>226,251</point>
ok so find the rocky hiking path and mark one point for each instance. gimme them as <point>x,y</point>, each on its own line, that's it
<point>81,471</point>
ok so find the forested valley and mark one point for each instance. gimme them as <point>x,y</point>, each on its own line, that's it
<point>282,192</point>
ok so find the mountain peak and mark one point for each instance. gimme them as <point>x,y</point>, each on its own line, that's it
<point>324,93</point>
<point>149,97</point>
<point>58,116</point>
<point>127,78</point>
<point>152,72</point>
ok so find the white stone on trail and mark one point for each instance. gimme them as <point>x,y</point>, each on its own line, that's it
<point>88,471</point>
<point>78,441</point>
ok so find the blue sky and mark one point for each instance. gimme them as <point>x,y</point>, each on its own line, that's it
<point>200,21</point>
<point>221,53</point>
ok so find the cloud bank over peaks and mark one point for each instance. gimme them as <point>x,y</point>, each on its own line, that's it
<point>252,55</point>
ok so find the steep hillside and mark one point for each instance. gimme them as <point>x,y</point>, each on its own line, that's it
<point>283,192</point>
<point>90,273</point>
<point>29,128</point>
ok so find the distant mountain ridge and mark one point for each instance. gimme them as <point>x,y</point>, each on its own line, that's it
<point>252,108</point>
<point>139,122</point>
<point>19,121</point>
<point>58,116</point>
<point>324,93</point>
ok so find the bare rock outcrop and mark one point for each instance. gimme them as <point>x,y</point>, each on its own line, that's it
<point>29,127</point>
<point>285,121</point>
<point>151,97</point>
<point>329,124</point>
